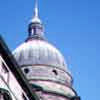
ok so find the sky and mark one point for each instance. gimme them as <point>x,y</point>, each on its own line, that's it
<point>71,25</point>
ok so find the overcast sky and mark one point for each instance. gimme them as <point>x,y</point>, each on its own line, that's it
<point>73,26</point>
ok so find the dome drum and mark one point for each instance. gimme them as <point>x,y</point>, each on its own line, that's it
<point>41,72</point>
<point>48,87</point>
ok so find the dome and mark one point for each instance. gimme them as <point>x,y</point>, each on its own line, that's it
<point>39,52</point>
<point>43,65</point>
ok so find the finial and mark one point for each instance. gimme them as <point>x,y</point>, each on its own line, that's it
<point>36,13</point>
<point>36,9</point>
<point>36,29</point>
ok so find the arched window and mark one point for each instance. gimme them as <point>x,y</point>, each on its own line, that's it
<point>4,94</point>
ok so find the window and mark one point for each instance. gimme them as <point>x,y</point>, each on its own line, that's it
<point>55,72</point>
<point>26,70</point>
<point>4,94</point>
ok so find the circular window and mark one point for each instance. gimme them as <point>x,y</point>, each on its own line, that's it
<point>55,72</point>
<point>26,70</point>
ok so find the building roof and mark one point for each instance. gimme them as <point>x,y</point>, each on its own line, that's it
<point>13,66</point>
<point>39,52</point>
